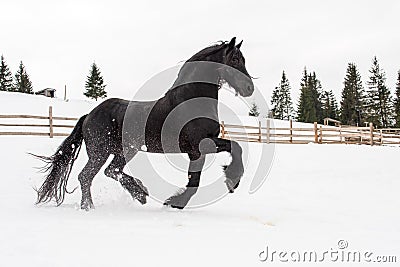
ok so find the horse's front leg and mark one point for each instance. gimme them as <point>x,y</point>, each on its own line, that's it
<point>181,199</point>
<point>234,171</point>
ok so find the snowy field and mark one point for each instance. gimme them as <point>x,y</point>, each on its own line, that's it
<point>314,196</point>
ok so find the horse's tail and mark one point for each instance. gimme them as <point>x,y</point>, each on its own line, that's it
<point>59,167</point>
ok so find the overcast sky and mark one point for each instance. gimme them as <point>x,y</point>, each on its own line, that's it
<point>132,41</point>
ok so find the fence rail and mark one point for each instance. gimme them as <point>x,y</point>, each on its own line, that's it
<point>52,124</point>
<point>320,134</point>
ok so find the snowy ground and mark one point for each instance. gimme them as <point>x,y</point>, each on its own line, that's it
<point>314,196</point>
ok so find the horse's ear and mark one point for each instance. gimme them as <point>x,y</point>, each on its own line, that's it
<point>239,44</point>
<point>231,44</point>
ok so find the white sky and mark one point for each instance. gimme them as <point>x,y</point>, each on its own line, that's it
<point>132,41</point>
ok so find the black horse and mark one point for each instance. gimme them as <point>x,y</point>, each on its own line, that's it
<point>107,131</point>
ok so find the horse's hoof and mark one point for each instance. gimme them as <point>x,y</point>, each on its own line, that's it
<point>231,186</point>
<point>140,196</point>
<point>173,206</point>
<point>87,206</point>
<point>173,202</point>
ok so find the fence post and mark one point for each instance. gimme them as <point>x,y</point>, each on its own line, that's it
<point>65,92</point>
<point>291,130</point>
<point>371,131</point>
<point>51,121</point>
<point>340,133</point>
<point>222,129</point>
<point>320,134</point>
<point>268,131</point>
<point>315,132</point>
<point>381,137</point>
<point>259,131</point>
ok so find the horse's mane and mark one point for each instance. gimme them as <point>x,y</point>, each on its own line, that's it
<point>202,55</point>
<point>206,52</point>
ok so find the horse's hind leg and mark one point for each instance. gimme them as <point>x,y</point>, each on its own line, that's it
<point>133,185</point>
<point>85,178</point>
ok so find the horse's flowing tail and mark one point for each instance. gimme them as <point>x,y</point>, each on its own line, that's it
<point>59,167</point>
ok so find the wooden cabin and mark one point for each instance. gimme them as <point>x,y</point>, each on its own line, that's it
<point>49,92</point>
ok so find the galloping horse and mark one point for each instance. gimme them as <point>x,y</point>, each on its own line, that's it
<point>104,130</point>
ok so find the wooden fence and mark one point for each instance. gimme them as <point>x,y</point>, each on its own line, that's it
<point>50,123</point>
<point>320,134</point>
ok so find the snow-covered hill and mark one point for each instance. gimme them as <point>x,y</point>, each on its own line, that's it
<point>314,196</point>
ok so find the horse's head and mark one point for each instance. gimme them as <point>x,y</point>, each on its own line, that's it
<point>236,74</point>
<point>230,67</point>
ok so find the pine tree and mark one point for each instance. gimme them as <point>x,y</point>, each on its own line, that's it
<point>305,111</point>
<point>276,104</point>
<point>95,87</point>
<point>6,79</point>
<point>330,107</point>
<point>282,107</point>
<point>353,98</point>
<point>22,83</point>
<point>316,93</point>
<point>310,105</point>
<point>254,110</point>
<point>379,104</point>
<point>397,103</point>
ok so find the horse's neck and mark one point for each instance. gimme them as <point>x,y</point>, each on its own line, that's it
<point>196,79</point>
<point>200,94</point>
<point>197,72</point>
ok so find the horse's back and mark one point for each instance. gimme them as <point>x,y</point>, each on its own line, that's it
<point>101,128</point>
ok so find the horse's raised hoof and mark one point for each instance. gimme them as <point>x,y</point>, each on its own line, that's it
<point>233,174</point>
<point>231,185</point>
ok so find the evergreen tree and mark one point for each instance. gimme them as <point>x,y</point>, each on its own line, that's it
<point>397,103</point>
<point>22,83</point>
<point>310,105</point>
<point>95,87</point>
<point>353,98</point>
<point>6,79</point>
<point>379,108</point>
<point>316,94</point>
<point>330,107</point>
<point>254,110</point>
<point>276,104</point>
<point>282,107</point>
<point>305,112</point>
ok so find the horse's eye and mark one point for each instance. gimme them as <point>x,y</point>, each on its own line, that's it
<point>235,60</point>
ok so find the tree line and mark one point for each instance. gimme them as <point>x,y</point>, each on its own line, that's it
<point>21,82</point>
<point>358,105</point>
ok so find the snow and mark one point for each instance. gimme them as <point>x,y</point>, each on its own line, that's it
<point>314,196</point>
